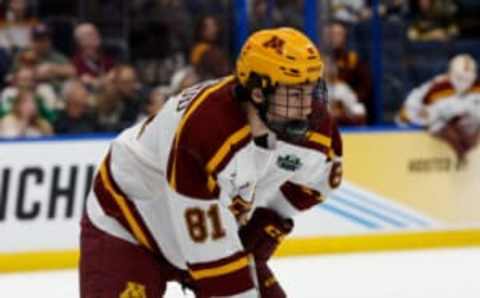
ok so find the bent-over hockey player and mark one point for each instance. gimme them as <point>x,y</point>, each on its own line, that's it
<point>204,191</point>
<point>449,106</point>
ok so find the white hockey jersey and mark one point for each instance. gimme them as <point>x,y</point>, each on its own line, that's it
<point>180,183</point>
<point>435,103</point>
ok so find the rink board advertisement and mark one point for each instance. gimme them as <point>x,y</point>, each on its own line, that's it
<point>401,190</point>
<point>43,185</point>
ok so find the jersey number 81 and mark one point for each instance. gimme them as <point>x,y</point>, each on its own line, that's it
<point>197,223</point>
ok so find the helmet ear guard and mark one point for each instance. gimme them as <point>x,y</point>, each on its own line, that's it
<point>263,83</point>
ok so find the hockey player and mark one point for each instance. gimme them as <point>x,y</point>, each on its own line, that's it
<point>203,192</point>
<point>449,106</point>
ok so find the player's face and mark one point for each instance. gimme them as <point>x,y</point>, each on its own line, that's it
<point>292,102</point>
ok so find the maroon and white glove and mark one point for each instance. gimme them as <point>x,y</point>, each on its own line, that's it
<point>261,237</point>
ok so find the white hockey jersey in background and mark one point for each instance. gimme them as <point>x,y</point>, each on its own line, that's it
<point>435,103</point>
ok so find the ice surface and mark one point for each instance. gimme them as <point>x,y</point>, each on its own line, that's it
<point>446,273</point>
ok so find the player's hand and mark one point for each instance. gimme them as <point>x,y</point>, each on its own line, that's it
<point>263,233</point>
<point>261,237</point>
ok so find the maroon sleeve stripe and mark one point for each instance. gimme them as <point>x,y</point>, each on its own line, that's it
<point>300,197</point>
<point>116,204</point>
<point>234,143</point>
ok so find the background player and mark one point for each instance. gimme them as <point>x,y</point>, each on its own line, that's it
<point>449,106</point>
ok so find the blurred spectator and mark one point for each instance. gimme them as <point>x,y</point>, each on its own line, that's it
<point>433,20</point>
<point>45,97</point>
<point>16,25</point>
<point>165,23</point>
<point>77,116</point>
<point>121,100</point>
<point>109,109</point>
<point>183,78</point>
<point>207,56</point>
<point>259,15</point>
<point>90,62</point>
<point>50,65</point>
<point>349,11</point>
<point>156,64</point>
<point>392,9</point>
<point>156,99</point>
<point>342,100</point>
<point>267,14</point>
<point>289,13</point>
<point>448,106</point>
<point>350,68</point>
<point>24,119</point>
<point>128,89</point>
<point>353,11</point>
<point>207,33</point>
<point>214,6</point>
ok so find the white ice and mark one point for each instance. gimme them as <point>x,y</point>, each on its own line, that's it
<point>446,273</point>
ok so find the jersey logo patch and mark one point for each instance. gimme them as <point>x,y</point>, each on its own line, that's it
<point>289,162</point>
<point>134,290</point>
<point>240,209</point>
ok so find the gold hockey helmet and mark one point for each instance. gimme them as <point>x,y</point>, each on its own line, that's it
<point>280,56</point>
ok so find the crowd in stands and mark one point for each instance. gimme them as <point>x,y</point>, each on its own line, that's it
<point>46,92</point>
<point>51,87</point>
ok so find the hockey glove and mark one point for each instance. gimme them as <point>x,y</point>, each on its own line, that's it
<point>261,237</point>
<point>264,232</point>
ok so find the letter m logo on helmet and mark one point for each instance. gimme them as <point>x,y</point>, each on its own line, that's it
<point>283,56</point>
<point>275,43</point>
